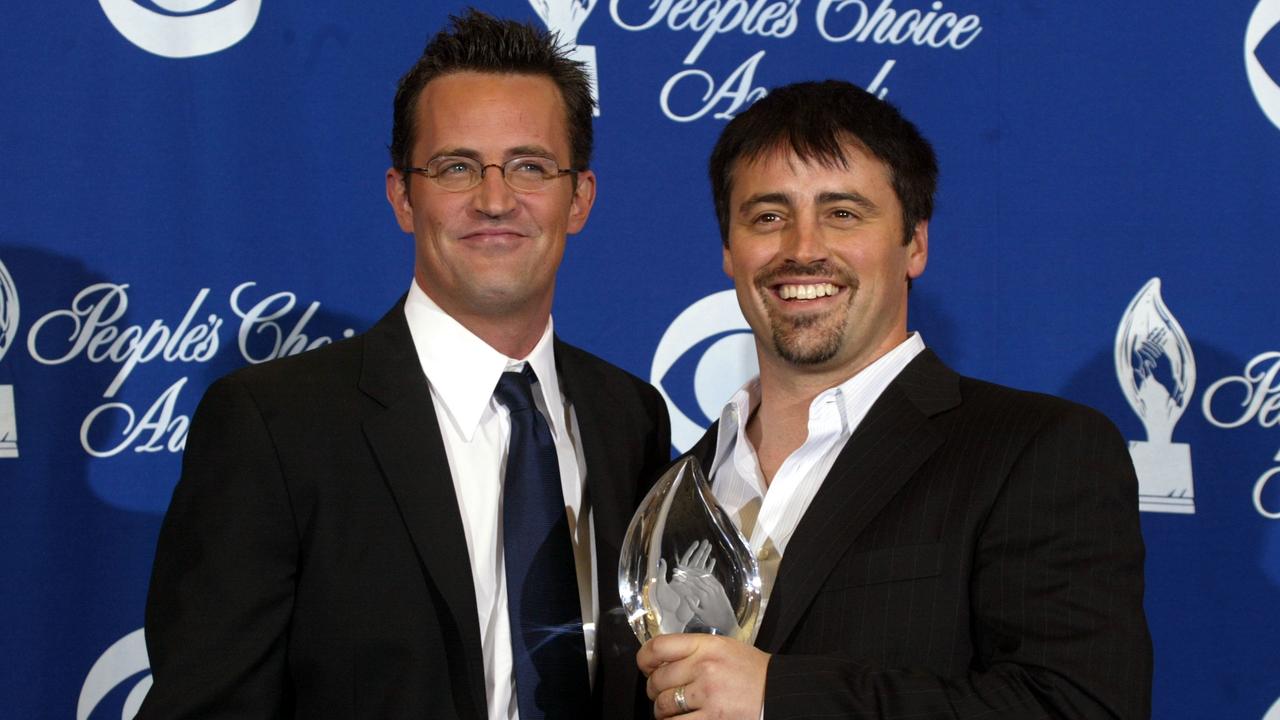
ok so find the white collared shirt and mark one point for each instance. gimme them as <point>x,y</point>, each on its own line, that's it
<point>768,516</point>
<point>463,371</point>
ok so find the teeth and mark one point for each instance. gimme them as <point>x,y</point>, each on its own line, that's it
<point>806,292</point>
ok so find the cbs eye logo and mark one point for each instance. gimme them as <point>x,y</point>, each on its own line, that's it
<point>123,665</point>
<point>704,356</point>
<point>1262,45</point>
<point>187,28</point>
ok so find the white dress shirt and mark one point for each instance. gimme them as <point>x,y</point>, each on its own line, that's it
<point>767,516</point>
<point>463,371</point>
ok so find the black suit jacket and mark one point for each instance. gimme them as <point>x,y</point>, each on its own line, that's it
<point>974,552</point>
<point>312,563</point>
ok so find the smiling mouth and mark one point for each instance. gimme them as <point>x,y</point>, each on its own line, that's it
<point>495,232</point>
<point>795,292</point>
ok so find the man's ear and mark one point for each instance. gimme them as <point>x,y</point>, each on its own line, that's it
<point>584,196</point>
<point>918,250</point>
<point>398,197</point>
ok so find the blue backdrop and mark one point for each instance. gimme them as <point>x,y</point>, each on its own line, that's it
<point>190,186</point>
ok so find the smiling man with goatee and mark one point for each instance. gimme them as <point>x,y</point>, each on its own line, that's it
<point>930,545</point>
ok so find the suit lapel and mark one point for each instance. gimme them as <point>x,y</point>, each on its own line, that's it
<point>405,438</point>
<point>891,443</point>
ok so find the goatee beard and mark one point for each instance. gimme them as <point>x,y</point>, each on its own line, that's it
<point>810,339</point>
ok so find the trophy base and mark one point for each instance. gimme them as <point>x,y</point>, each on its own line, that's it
<point>1164,477</point>
<point>8,424</point>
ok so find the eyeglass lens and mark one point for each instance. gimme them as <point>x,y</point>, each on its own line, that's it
<point>521,173</point>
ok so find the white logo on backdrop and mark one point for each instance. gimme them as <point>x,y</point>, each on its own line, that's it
<point>92,328</point>
<point>120,663</point>
<point>1274,712</point>
<point>837,21</point>
<point>1259,391</point>
<point>1157,373</point>
<point>1265,17</point>
<point>8,331</point>
<point>724,366</point>
<point>564,18</point>
<point>188,32</point>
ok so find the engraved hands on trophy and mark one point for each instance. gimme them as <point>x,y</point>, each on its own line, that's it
<point>699,600</point>
<point>685,567</point>
<point>564,17</point>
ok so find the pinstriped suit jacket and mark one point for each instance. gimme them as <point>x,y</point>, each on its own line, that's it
<point>974,552</point>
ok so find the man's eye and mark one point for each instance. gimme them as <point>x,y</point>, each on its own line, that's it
<point>530,167</point>
<point>454,168</point>
<point>842,214</point>
<point>767,218</point>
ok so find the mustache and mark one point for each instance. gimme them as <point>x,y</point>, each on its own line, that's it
<point>823,269</point>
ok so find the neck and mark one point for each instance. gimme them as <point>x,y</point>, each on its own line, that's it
<point>514,333</point>
<point>780,424</point>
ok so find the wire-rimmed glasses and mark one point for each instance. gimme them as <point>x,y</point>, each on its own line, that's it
<point>531,173</point>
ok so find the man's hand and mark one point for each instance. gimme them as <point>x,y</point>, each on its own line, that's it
<point>722,678</point>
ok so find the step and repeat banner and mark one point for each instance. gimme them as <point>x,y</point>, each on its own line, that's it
<point>190,186</point>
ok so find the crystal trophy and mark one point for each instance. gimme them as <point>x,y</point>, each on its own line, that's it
<point>684,566</point>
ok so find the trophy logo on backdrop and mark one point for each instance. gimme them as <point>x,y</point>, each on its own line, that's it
<point>8,332</point>
<point>708,348</point>
<point>121,663</point>
<point>1157,373</point>
<point>187,29</point>
<point>1262,48</point>
<point>564,19</point>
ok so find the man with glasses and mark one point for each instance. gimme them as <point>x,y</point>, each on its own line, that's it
<point>423,521</point>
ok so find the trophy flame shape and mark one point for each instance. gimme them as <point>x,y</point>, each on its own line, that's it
<point>564,19</point>
<point>8,331</point>
<point>1157,373</point>
<point>684,566</point>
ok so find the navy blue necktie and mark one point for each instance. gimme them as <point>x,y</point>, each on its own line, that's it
<point>547,646</point>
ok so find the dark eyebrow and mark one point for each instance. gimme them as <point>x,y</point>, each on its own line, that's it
<point>824,198</point>
<point>458,152</point>
<point>519,151</point>
<point>858,199</point>
<point>528,150</point>
<point>772,198</point>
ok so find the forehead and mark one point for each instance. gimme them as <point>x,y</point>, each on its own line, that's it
<point>491,113</point>
<point>781,170</point>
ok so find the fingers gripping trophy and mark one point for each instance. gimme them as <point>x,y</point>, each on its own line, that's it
<point>685,568</point>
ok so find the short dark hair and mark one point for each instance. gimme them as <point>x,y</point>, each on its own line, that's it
<point>813,119</point>
<point>478,42</point>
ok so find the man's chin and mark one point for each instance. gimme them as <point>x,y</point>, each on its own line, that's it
<point>809,347</point>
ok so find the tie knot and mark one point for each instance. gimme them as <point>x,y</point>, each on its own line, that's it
<point>515,389</point>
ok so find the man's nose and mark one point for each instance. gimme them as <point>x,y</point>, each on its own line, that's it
<point>493,196</point>
<point>803,242</point>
